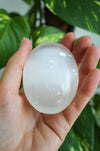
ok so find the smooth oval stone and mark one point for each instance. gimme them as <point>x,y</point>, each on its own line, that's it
<point>50,78</point>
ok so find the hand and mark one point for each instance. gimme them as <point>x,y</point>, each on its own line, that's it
<point>22,128</point>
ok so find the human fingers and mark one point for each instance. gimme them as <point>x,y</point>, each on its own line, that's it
<point>88,63</point>
<point>81,47</point>
<point>82,97</point>
<point>68,40</point>
<point>12,74</point>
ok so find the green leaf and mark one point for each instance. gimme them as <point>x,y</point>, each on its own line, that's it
<point>84,128</point>
<point>96,107</point>
<point>81,136</point>
<point>98,65</point>
<point>12,30</point>
<point>97,139</point>
<point>46,34</point>
<point>71,142</point>
<point>28,1</point>
<point>3,11</point>
<point>84,14</point>
<point>14,14</point>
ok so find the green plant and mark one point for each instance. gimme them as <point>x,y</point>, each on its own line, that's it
<point>85,134</point>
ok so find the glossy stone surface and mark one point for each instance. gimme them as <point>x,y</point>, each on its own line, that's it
<point>50,78</point>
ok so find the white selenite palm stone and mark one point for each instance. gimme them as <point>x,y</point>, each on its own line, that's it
<point>50,78</point>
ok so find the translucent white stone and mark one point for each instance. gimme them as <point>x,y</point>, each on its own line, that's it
<point>50,78</point>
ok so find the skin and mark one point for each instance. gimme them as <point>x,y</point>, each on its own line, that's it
<point>22,128</point>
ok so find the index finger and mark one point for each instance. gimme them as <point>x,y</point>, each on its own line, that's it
<point>68,40</point>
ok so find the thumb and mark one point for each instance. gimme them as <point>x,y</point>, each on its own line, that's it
<point>12,74</point>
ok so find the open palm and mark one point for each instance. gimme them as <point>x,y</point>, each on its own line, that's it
<point>22,128</point>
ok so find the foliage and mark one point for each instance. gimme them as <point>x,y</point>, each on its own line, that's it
<point>46,34</point>
<point>81,136</point>
<point>85,14</point>
<point>85,133</point>
<point>11,33</point>
<point>28,1</point>
<point>97,138</point>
